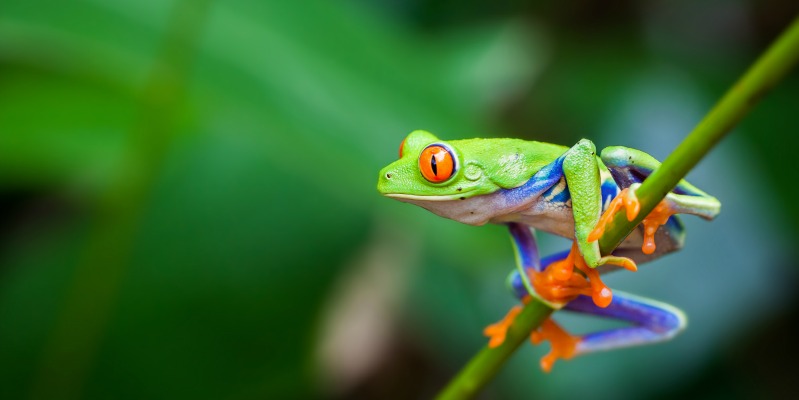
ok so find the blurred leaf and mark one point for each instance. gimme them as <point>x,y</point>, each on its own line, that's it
<point>257,205</point>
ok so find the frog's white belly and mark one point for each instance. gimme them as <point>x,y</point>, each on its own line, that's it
<point>555,218</point>
<point>537,212</point>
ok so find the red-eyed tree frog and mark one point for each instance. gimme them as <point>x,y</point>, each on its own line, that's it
<point>570,192</point>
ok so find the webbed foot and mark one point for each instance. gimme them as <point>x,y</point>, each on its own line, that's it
<point>497,331</point>
<point>563,344</point>
<point>659,216</point>
<point>558,283</point>
<point>627,199</point>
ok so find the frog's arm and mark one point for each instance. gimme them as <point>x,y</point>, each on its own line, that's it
<point>581,169</point>
<point>528,264</point>
<point>526,251</point>
<point>555,285</point>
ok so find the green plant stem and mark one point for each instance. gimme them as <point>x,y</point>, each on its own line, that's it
<point>483,366</point>
<point>769,69</point>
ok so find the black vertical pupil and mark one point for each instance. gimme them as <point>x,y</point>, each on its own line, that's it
<point>433,165</point>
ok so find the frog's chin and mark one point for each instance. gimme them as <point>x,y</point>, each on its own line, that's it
<point>475,210</point>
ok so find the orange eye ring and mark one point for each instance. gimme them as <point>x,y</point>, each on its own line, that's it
<point>402,147</point>
<point>437,163</point>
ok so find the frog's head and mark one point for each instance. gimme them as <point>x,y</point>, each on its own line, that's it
<point>454,179</point>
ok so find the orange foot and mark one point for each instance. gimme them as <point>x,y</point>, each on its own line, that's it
<point>497,332</point>
<point>563,344</point>
<point>558,282</point>
<point>627,199</point>
<point>652,222</point>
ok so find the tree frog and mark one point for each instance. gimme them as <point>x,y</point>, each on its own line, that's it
<point>570,192</point>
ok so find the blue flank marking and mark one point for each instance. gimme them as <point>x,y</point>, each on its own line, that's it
<point>537,184</point>
<point>609,191</point>
<point>560,197</point>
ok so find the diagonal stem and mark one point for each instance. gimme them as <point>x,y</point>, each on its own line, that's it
<point>767,71</point>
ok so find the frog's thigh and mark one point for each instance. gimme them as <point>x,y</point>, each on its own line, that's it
<point>652,321</point>
<point>704,206</point>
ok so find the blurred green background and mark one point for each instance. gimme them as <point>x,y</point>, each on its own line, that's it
<point>188,203</point>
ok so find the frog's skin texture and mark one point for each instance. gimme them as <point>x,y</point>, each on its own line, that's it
<point>529,185</point>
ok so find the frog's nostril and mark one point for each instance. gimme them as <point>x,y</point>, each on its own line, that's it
<point>388,176</point>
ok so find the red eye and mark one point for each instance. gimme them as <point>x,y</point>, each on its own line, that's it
<point>402,146</point>
<point>436,163</point>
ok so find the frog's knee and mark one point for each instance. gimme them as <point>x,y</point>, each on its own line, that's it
<point>616,156</point>
<point>620,156</point>
<point>515,285</point>
<point>670,321</point>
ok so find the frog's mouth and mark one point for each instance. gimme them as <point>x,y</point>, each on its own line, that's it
<point>413,197</point>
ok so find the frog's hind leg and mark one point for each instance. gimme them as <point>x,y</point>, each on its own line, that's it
<point>652,321</point>
<point>630,166</point>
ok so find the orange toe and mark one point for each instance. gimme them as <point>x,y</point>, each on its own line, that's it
<point>558,284</point>
<point>498,331</point>
<point>600,293</point>
<point>563,344</point>
<point>652,222</point>
<point>627,199</point>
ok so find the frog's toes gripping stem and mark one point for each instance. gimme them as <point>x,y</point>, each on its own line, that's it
<point>628,200</point>
<point>563,344</point>
<point>558,282</point>
<point>497,331</point>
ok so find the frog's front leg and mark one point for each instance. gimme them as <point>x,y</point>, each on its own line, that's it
<point>581,169</point>
<point>527,259</point>
<point>555,286</point>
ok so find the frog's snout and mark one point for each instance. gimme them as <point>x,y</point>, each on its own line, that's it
<point>384,180</point>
